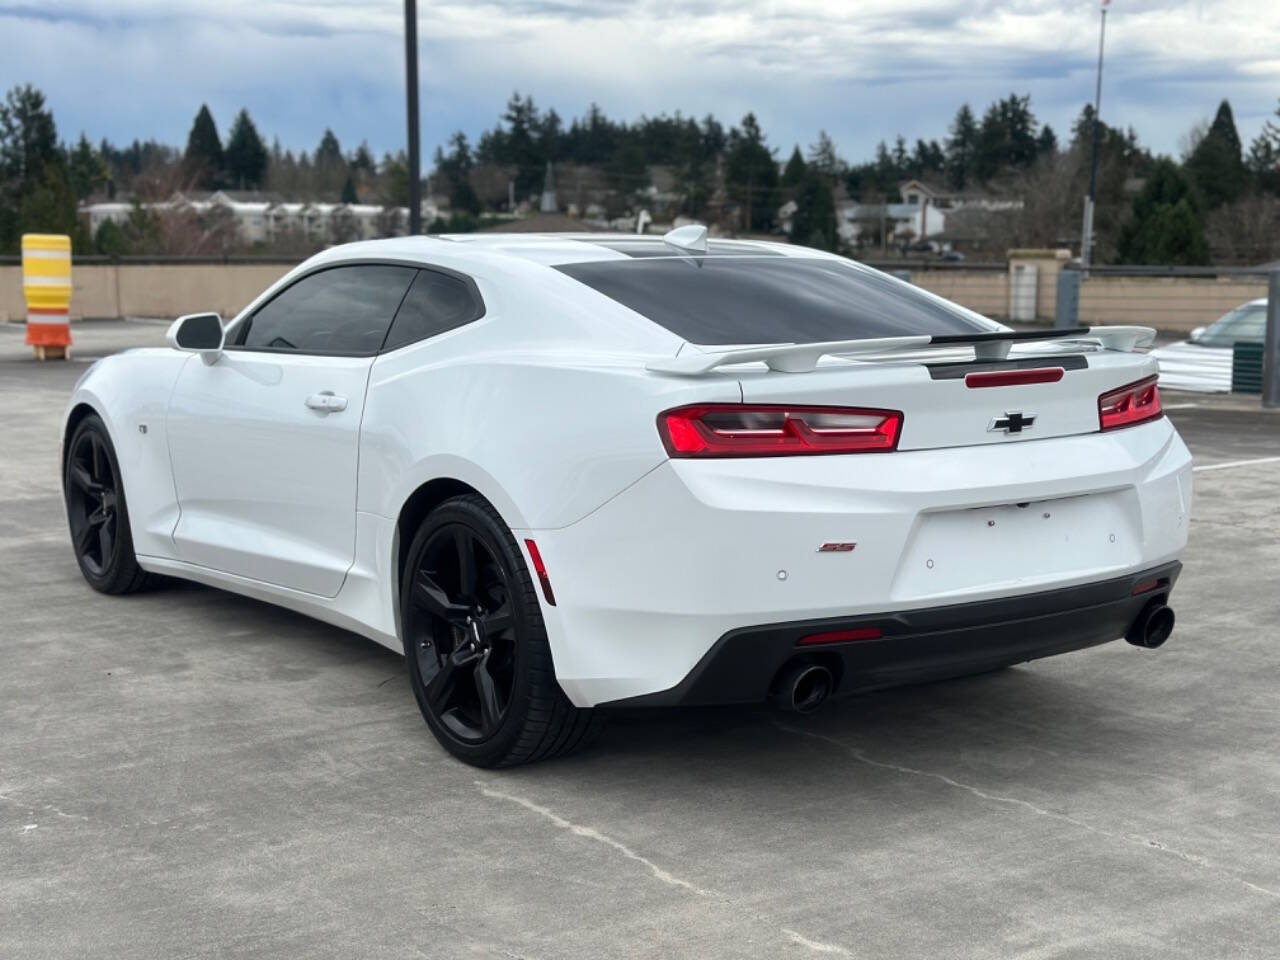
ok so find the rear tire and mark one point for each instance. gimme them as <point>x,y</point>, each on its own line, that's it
<point>476,645</point>
<point>97,512</point>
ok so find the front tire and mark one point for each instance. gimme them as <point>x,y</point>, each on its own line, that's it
<point>479,661</point>
<point>97,512</point>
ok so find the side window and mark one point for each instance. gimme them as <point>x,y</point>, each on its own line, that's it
<point>435,303</point>
<point>1253,326</point>
<point>344,310</point>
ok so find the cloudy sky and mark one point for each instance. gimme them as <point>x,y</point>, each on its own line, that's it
<point>863,70</point>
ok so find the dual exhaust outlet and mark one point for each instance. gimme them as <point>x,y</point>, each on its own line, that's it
<point>804,686</point>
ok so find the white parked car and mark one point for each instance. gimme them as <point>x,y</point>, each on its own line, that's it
<point>1203,362</point>
<point>567,472</point>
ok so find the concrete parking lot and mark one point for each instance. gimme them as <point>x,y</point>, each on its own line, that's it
<point>186,773</point>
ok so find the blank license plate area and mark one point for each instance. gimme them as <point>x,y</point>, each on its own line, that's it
<point>961,550</point>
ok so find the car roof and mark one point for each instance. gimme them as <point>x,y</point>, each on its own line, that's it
<point>551,249</point>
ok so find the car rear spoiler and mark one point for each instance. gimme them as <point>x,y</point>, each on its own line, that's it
<point>804,357</point>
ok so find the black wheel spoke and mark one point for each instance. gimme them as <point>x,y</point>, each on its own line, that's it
<point>106,537</point>
<point>466,547</point>
<point>429,595</point>
<point>83,537</point>
<point>497,621</point>
<point>490,708</point>
<point>440,686</point>
<point>95,448</point>
<point>81,480</point>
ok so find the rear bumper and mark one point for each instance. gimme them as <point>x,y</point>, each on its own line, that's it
<point>694,551</point>
<point>918,645</point>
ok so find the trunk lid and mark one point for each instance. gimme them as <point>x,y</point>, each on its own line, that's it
<point>945,405</point>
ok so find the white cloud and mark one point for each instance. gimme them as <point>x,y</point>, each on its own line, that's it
<point>865,71</point>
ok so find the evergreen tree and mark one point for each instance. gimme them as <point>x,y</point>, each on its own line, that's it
<point>202,162</point>
<point>901,160</point>
<point>28,137</point>
<point>1264,156</point>
<point>329,152</point>
<point>395,178</point>
<point>1215,165</point>
<point>1006,138</point>
<point>50,206</point>
<point>85,169</point>
<point>35,195</point>
<point>1166,227</point>
<point>751,175</point>
<point>550,137</point>
<point>814,223</point>
<point>960,148</point>
<point>245,157</point>
<point>520,149</point>
<point>927,159</point>
<point>1047,142</point>
<point>349,191</point>
<point>362,161</point>
<point>795,170</point>
<point>455,169</point>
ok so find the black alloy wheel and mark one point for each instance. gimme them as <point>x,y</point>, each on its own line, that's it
<point>465,633</point>
<point>476,645</point>
<point>97,512</point>
<point>93,503</point>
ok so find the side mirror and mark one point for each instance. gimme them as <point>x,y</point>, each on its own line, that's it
<point>198,333</point>
<point>1197,333</point>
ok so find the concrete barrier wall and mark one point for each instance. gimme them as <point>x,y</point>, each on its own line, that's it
<point>158,289</point>
<point>1166,303</point>
<point>150,289</point>
<point>987,292</point>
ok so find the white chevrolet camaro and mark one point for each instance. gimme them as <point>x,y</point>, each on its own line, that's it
<point>568,472</point>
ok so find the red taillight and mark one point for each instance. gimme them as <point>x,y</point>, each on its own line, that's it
<point>1134,403</point>
<point>840,636</point>
<point>1011,378</point>
<point>1146,586</point>
<point>776,430</point>
<point>540,569</point>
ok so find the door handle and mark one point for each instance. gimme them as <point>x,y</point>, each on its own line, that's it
<point>326,401</point>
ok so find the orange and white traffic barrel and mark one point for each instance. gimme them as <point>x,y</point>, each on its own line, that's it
<point>46,284</point>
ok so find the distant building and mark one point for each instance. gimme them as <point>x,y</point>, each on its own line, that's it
<point>261,217</point>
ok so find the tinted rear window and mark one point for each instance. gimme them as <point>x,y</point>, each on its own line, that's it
<point>717,300</point>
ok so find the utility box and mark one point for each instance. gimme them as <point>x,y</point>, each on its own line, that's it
<point>1024,292</point>
<point>1246,367</point>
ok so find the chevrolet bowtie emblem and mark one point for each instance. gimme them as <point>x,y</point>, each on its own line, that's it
<point>1014,421</point>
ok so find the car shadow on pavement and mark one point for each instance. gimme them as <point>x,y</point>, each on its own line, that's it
<point>1017,726</point>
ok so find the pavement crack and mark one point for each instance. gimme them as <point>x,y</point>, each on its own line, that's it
<point>1132,839</point>
<point>591,833</point>
<point>816,946</point>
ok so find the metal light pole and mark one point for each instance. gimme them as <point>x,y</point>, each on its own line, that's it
<point>411,81</point>
<point>1086,239</point>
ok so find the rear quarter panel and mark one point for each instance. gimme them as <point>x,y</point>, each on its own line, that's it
<point>547,437</point>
